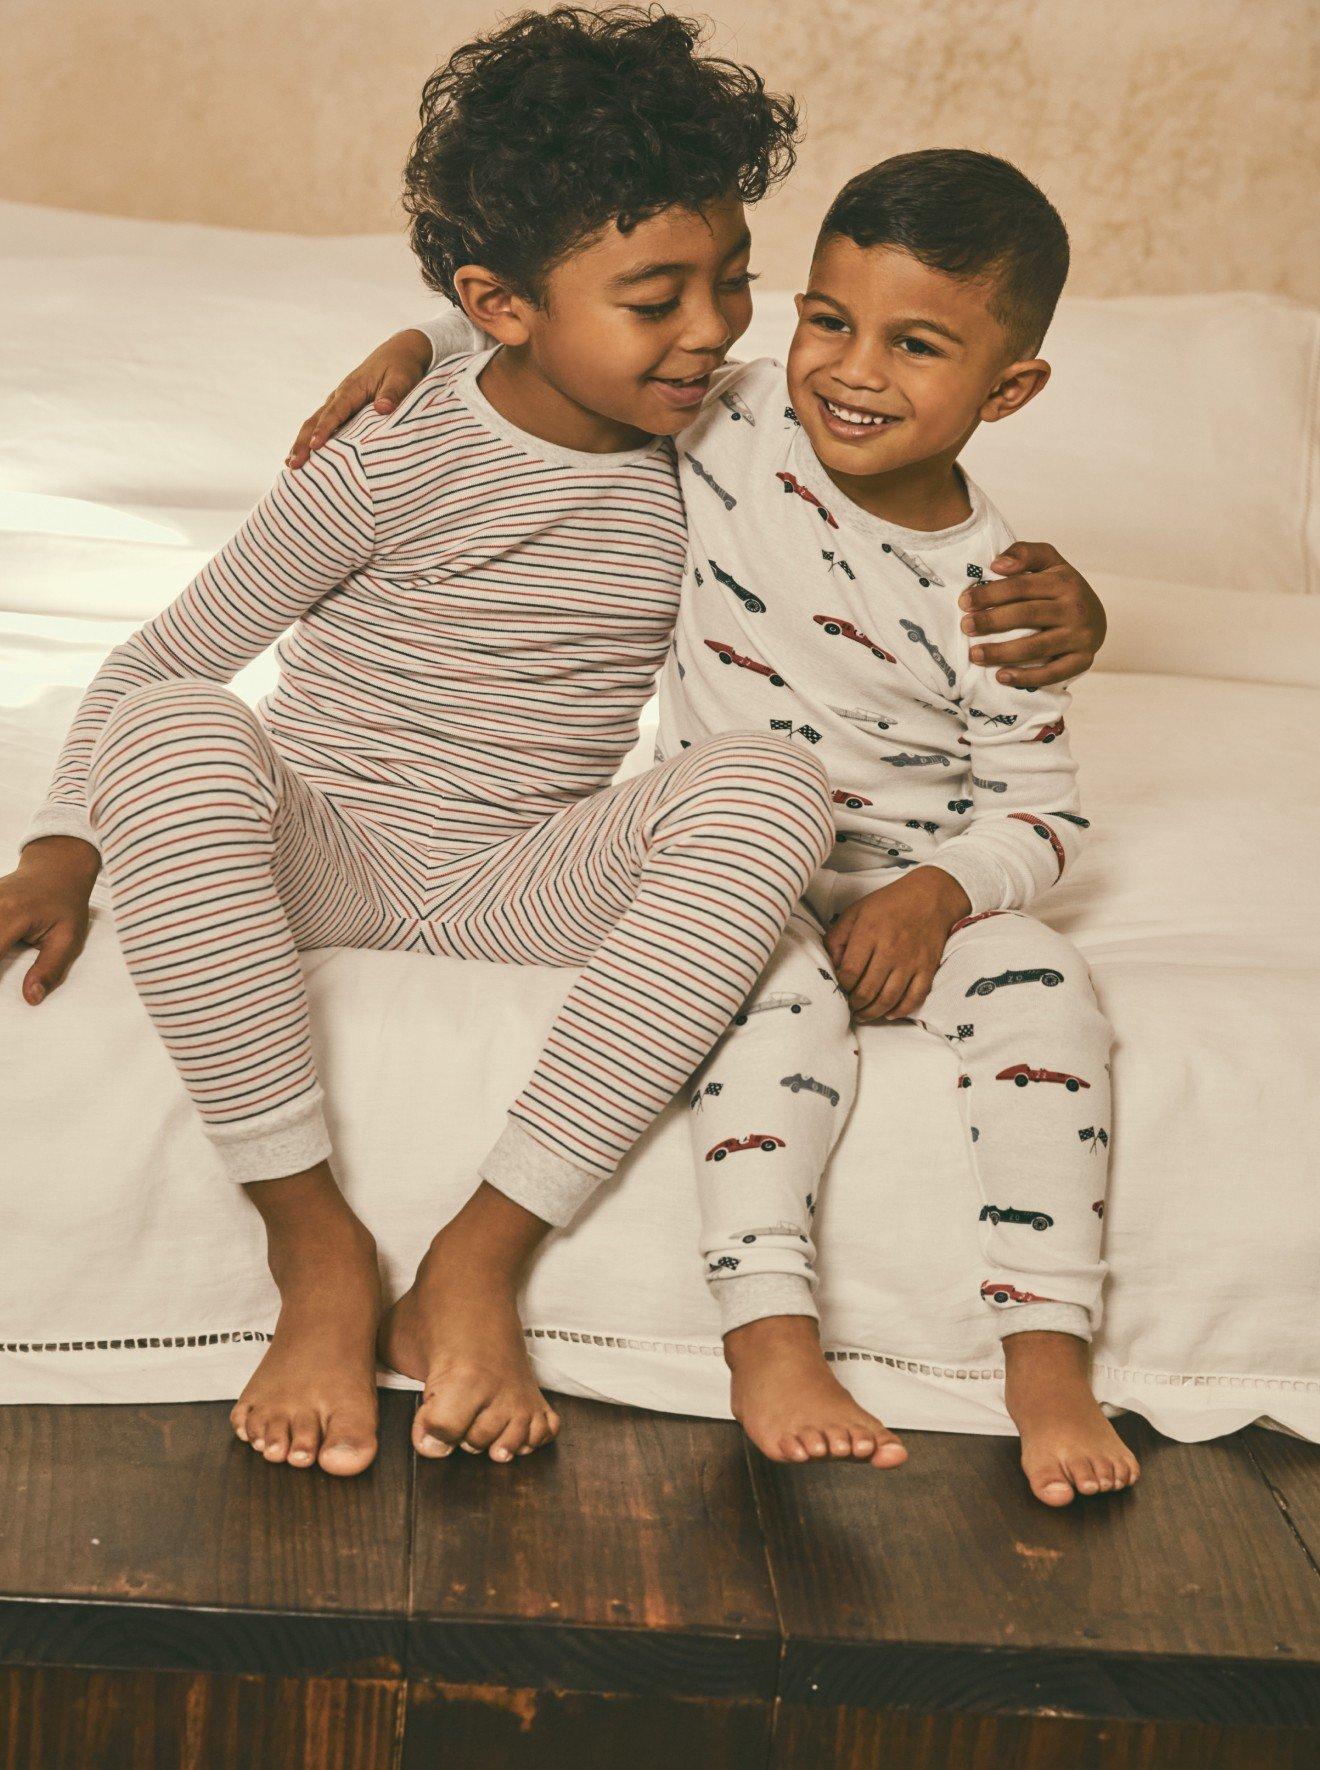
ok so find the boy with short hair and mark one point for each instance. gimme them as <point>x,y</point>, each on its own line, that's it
<point>831,532</point>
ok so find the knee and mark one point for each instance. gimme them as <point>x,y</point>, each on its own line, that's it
<point>162,727</point>
<point>747,778</point>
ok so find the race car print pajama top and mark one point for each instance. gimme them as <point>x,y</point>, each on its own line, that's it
<point>472,620</point>
<point>805,617</point>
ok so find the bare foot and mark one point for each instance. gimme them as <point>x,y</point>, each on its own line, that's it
<point>1068,1446</point>
<point>791,1405</point>
<point>312,1399</point>
<point>458,1332</point>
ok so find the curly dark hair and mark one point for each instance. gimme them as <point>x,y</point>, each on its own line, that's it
<point>538,135</point>
<point>970,215</point>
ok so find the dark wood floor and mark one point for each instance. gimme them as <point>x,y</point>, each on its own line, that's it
<point>646,1594</point>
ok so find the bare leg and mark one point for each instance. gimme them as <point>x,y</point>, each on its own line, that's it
<point>312,1399</point>
<point>1068,1446</point>
<point>457,1330</point>
<point>789,1402</point>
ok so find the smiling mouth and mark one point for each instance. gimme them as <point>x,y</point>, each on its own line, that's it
<point>854,415</point>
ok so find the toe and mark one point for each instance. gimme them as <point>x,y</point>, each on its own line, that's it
<point>486,1428</point>
<point>788,1449</point>
<point>890,1453</point>
<point>1081,1471</point>
<point>815,1442</point>
<point>238,1419</point>
<point>276,1435</point>
<point>511,1440</point>
<point>840,1441</point>
<point>348,1443</point>
<point>1105,1474</point>
<point>304,1438</point>
<point>443,1420</point>
<point>1049,1482</point>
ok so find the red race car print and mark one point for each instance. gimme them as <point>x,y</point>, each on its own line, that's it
<point>854,801</point>
<point>836,625</point>
<point>1047,733</point>
<point>1099,1207</point>
<point>994,1290</point>
<point>735,1145</point>
<point>727,655</point>
<point>1022,1073</point>
<point>791,484</point>
<point>1044,831</point>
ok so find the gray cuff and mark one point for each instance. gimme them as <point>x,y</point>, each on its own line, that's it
<point>56,819</point>
<point>284,1142</point>
<point>1046,1318</point>
<point>753,1295</point>
<point>537,1178</point>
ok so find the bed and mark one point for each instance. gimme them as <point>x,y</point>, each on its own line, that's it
<point>156,375</point>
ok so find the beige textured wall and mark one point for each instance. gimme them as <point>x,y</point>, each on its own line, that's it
<point>1180,138</point>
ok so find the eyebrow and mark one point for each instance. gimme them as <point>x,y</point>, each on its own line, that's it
<point>643,273</point>
<point>908,323</point>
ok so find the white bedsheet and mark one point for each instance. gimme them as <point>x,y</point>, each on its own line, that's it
<point>117,1224</point>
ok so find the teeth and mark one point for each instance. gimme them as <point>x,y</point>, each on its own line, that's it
<point>851,417</point>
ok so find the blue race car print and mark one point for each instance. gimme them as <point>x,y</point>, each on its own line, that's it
<point>1011,1214</point>
<point>990,786</point>
<point>726,498</point>
<point>752,604</point>
<point>986,986</point>
<point>908,759</point>
<point>797,1083</point>
<point>918,637</point>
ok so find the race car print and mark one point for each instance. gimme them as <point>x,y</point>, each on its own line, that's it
<point>726,498</point>
<point>1046,834</point>
<point>1004,719</point>
<point>836,626</point>
<point>697,1102</point>
<point>989,786</point>
<point>1011,1214</point>
<point>986,986</point>
<point>725,1263</point>
<point>792,484</point>
<point>752,604</point>
<point>918,637</point>
<point>964,1081</point>
<point>910,759</point>
<point>864,716</point>
<point>1099,1208</point>
<point>767,1005</point>
<point>868,839</point>
<point>961,806</point>
<point>1096,1136</point>
<point>796,1084</point>
<point>792,417</point>
<point>790,730</point>
<point>738,408</point>
<point>923,573</point>
<point>736,1145</point>
<point>842,564</point>
<point>994,1290</point>
<point>854,801</point>
<point>1048,733</point>
<point>922,823</point>
<point>1022,1073</point>
<point>727,654</point>
<point>1071,817</point>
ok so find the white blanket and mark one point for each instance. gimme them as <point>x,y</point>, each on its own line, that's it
<point>152,378</point>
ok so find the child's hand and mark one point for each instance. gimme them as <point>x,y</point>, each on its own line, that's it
<point>390,372</point>
<point>1041,590</point>
<point>43,903</point>
<point>886,948</point>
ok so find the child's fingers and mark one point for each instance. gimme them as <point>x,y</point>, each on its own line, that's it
<point>393,387</point>
<point>1005,616</point>
<point>302,443</point>
<point>57,949</point>
<point>913,996</point>
<point>1032,650</point>
<point>890,992</point>
<point>1046,675</point>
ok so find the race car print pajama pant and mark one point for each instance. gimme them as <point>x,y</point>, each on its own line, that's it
<point>1013,1001</point>
<point>670,889</point>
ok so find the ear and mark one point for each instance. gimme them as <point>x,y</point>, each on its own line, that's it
<point>797,302</point>
<point>1018,384</point>
<point>492,305</point>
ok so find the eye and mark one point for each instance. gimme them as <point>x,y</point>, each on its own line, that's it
<point>920,347</point>
<point>826,321</point>
<point>657,310</point>
<point>742,282</point>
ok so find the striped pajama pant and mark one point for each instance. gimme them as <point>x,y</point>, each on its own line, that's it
<point>670,890</point>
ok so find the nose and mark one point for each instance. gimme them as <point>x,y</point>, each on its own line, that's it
<point>707,332</point>
<point>860,369</point>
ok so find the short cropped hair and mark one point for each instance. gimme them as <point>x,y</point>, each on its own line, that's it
<point>968,214</point>
<point>538,135</point>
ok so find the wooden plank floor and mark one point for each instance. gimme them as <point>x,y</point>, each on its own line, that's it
<point>645,1592</point>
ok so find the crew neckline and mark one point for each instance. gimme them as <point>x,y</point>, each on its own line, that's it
<point>465,386</point>
<point>845,511</point>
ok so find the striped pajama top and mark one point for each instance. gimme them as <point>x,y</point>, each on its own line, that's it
<point>469,619</point>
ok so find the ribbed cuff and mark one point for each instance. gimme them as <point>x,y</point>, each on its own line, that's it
<point>537,1178</point>
<point>55,819</point>
<point>750,1296</point>
<point>1046,1318</point>
<point>283,1142</point>
<point>980,877</point>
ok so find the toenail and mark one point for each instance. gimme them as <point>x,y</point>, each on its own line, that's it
<point>437,1445</point>
<point>257,1443</point>
<point>299,1456</point>
<point>501,1455</point>
<point>1089,1486</point>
